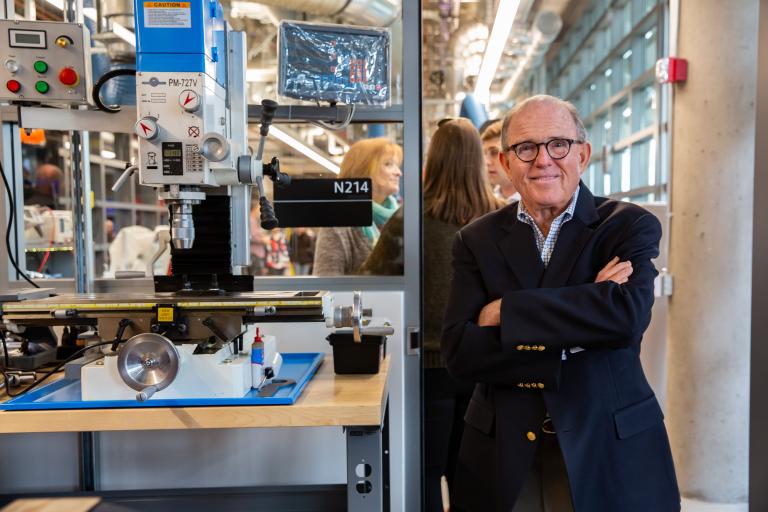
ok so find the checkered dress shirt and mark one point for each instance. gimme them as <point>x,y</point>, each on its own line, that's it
<point>547,244</point>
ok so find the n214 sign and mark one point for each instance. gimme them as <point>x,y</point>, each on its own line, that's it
<point>325,203</point>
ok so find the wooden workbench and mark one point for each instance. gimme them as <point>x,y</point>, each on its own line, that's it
<point>328,400</point>
<point>357,402</point>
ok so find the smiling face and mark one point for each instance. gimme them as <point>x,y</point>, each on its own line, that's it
<point>386,181</point>
<point>544,183</point>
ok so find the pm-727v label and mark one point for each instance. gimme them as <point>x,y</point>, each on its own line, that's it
<point>182,82</point>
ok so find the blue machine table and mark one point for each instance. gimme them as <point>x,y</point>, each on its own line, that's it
<point>357,402</point>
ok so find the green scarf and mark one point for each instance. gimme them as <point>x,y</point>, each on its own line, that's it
<point>381,214</point>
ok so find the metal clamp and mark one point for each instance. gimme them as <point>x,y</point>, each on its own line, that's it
<point>351,316</point>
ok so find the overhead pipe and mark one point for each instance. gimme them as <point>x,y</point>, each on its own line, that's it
<point>379,13</point>
<point>546,27</point>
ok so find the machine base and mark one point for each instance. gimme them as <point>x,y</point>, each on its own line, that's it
<point>65,393</point>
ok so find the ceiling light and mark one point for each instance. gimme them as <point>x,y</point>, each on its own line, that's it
<point>521,66</point>
<point>502,25</point>
<point>303,149</point>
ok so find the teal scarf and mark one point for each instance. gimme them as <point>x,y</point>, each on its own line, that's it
<point>381,214</point>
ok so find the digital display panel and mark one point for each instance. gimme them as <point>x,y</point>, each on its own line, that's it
<point>27,39</point>
<point>173,160</point>
<point>334,63</point>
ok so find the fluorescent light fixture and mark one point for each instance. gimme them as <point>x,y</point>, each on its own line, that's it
<point>509,86</point>
<point>105,153</point>
<point>303,149</point>
<point>90,13</point>
<point>502,25</point>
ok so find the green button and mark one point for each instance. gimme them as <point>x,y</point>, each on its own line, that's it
<point>40,66</point>
<point>42,87</point>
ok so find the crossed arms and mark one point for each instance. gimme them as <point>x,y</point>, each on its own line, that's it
<point>481,334</point>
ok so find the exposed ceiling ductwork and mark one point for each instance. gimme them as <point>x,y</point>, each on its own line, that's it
<point>379,13</point>
<point>545,29</point>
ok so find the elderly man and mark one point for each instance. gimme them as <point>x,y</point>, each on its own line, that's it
<point>550,299</point>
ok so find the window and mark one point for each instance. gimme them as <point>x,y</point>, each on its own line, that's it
<point>605,66</point>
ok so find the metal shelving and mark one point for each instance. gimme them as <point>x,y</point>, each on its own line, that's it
<point>132,205</point>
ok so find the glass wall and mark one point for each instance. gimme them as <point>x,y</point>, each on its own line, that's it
<point>605,66</point>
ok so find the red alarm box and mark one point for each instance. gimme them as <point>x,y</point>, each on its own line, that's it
<point>671,69</point>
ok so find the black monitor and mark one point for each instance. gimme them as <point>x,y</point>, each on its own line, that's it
<point>334,63</point>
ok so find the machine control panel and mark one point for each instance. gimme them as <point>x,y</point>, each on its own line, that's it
<point>183,129</point>
<point>44,62</point>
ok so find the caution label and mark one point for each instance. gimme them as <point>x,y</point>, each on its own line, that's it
<point>167,15</point>
<point>165,314</point>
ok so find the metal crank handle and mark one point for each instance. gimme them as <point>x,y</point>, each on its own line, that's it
<point>379,330</point>
<point>146,393</point>
<point>127,173</point>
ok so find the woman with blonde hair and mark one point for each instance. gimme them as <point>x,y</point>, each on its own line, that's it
<point>341,250</point>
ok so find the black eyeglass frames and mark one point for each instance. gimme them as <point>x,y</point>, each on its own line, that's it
<point>557,149</point>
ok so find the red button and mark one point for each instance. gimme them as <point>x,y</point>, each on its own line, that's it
<point>68,77</point>
<point>13,85</point>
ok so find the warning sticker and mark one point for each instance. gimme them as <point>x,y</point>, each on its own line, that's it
<point>167,15</point>
<point>165,314</point>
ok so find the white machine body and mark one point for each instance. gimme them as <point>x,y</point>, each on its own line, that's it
<point>184,131</point>
<point>219,375</point>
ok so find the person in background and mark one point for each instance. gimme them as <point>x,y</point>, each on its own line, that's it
<point>278,257</point>
<point>259,240</point>
<point>341,250</point>
<point>486,124</point>
<point>503,187</point>
<point>456,192</point>
<point>109,228</point>
<point>46,186</point>
<point>304,250</point>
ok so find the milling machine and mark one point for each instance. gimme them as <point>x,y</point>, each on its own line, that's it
<point>191,338</point>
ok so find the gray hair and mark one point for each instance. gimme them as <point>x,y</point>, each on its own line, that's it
<point>543,98</point>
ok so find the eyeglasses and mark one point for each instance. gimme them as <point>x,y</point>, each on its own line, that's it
<point>556,149</point>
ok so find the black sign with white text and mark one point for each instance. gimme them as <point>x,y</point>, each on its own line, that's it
<point>324,203</point>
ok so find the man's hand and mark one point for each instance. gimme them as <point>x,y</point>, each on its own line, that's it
<point>490,315</point>
<point>616,271</point>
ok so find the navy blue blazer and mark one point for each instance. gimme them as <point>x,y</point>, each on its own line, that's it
<point>608,422</point>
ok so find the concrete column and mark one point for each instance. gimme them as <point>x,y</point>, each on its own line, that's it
<point>713,150</point>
